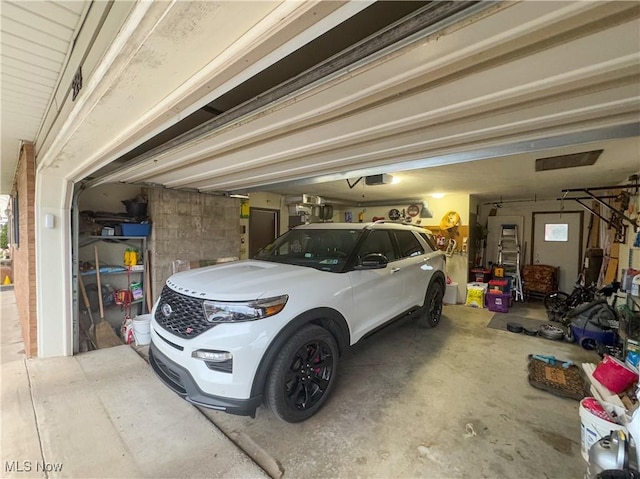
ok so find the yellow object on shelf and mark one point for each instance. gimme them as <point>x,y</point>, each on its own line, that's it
<point>6,280</point>
<point>244,209</point>
<point>130,257</point>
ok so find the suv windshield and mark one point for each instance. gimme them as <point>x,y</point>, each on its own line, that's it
<point>323,249</point>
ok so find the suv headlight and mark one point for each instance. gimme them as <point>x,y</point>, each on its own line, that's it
<point>231,312</point>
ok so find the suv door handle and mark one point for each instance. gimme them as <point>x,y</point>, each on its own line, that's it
<point>394,270</point>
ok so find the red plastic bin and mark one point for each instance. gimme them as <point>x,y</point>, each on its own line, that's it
<point>614,375</point>
<point>481,275</point>
<point>499,286</point>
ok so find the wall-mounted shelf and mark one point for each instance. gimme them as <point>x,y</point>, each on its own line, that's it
<point>102,273</point>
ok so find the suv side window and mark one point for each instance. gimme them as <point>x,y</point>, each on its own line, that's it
<point>429,241</point>
<point>409,244</point>
<point>378,241</point>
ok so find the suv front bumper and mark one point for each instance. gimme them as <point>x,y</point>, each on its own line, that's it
<point>180,380</point>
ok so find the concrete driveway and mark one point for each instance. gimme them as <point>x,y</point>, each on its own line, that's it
<point>102,414</point>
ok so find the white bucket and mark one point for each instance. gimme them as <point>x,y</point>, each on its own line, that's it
<point>142,329</point>
<point>592,429</point>
<point>451,294</point>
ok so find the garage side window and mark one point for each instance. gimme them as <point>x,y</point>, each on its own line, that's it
<point>409,244</point>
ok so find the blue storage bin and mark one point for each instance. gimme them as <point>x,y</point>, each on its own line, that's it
<point>136,229</point>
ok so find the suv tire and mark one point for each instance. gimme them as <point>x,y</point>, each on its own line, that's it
<point>432,309</point>
<point>303,374</point>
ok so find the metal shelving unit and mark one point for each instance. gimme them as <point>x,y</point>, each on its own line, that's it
<point>113,274</point>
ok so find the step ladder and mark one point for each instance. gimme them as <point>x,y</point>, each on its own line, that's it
<point>509,257</point>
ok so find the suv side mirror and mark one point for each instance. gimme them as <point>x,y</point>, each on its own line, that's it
<point>372,261</point>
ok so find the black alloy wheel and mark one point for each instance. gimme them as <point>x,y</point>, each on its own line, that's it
<point>432,309</point>
<point>303,374</point>
<point>549,331</point>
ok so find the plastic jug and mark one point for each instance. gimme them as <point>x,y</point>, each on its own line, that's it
<point>635,285</point>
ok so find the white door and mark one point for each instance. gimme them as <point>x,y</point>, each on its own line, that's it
<point>557,241</point>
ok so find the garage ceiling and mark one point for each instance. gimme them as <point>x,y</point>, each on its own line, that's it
<point>493,87</point>
<point>510,177</point>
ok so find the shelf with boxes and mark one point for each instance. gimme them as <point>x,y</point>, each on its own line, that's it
<point>127,230</point>
<point>118,286</point>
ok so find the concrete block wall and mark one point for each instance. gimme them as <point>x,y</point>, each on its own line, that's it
<point>192,227</point>
<point>23,253</point>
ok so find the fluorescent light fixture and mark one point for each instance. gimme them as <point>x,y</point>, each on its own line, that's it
<point>437,195</point>
<point>238,195</point>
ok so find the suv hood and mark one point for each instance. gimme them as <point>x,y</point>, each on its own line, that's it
<point>242,280</point>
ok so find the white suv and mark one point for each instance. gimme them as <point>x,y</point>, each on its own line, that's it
<point>272,329</point>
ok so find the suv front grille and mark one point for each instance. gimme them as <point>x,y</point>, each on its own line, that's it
<point>181,315</point>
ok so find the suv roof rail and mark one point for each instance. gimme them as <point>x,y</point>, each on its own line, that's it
<point>394,222</point>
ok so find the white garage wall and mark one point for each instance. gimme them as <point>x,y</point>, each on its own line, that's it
<point>526,210</point>
<point>438,206</point>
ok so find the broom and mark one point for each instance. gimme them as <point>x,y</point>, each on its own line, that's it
<point>87,305</point>
<point>105,336</point>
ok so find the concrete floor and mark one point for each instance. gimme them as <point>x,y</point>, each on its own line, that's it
<point>452,402</point>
